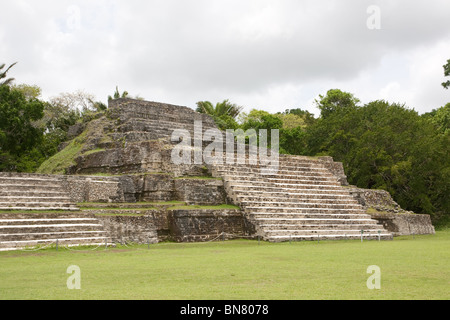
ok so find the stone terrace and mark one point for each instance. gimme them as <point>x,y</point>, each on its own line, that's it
<point>36,210</point>
<point>131,146</point>
<point>302,200</point>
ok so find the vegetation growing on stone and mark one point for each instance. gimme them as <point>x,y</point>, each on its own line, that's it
<point>381,144</point>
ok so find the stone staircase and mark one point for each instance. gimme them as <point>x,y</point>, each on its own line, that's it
<point>35,210</point>
<point>302,200</point>
<point>140,121</point>
<point>33,192</point>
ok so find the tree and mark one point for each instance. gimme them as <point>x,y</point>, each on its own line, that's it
<point>291,121</point>
<point>3,75</point>
<point>29,91</point>
<point>220,109</point>
<point>388,146</point>
<point>290,125</point>
<point>336,100</point>
<point>19,136</point>
<point>446,67</point>
<point>307,116</point>
<point>224,113</point>
<point>441,118</point>
<point>117,94</point>
<point>77,101</point>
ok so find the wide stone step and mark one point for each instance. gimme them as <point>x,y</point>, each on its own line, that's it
<point>280,196</point>
<point>33,193</point>
<point>35,181</point>
<point>317,221</point>
<point>165,120</point>
<point>323,226</point>
<point>68,241</point>
<point>37,207</point>
<point>296,211</point>
<point>291,159</point>
<point>281,178</point>
<point>315,231</point>
<point>34,199</point>
<point>40,214</point>
<point>128,205</point>
<point>159,128</point>
<point>293,217</point>
<point>260,182</point>
<point>312,166</point>
<point>50,234</point>
<point>304,179</point>
<point>321,236</point>
<point>260,185</point>
<point>29,187</point>
<point>300,205</point>
<point>142,135</point>
<point>269,191</point>
<point>298,171</point>
<point>58,222</point>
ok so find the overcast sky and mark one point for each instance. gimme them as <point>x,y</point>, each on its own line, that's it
<point>265,54</point>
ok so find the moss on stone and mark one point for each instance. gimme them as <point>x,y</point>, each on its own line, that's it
<point>198,207</point>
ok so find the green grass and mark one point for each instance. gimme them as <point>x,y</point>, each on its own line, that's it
<point>130,204</point>
<point>198,178</point>
<point>58,163</point>
<point>119,215</point>
<point>239,269</point>
<point>118,208</point>
<point>198,207</point>
<point>93,151</point>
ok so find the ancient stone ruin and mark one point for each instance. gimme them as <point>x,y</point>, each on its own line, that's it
<point>115,181</point>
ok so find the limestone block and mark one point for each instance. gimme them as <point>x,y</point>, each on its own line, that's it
<point>201,225</point>
<point>200,191</point>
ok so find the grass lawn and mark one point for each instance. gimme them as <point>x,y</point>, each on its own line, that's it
<point>240,269</point>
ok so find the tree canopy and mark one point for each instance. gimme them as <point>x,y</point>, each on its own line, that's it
<point>446,67</point>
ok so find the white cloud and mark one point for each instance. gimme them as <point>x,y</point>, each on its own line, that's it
<point>259,53</point>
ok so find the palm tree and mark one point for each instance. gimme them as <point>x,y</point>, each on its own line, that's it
<point>224,108</point>
<point>117,94</point>
<point>3,75</point>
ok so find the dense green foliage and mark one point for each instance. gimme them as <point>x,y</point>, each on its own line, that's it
<point>31,130</point>
<point>388,146</point>
<point>223,113</point>
<point>19,138</point>
<point>446,84</point>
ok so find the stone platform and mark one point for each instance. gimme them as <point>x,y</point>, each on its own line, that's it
<point>123,161</point>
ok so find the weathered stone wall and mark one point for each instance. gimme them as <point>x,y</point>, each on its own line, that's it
<point>380,205</point>
<point>379,200</point>
<point>132,158</point>
<point>144,187</point>
<point>204,225</point>
<point>336,168</point>
<point>405,224</point>
<point>84,188</point>
<point>200,191</point>
<point>126,229</point>
<point>127,109</point>
<point>175,225</point>
<point>164,187</point>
